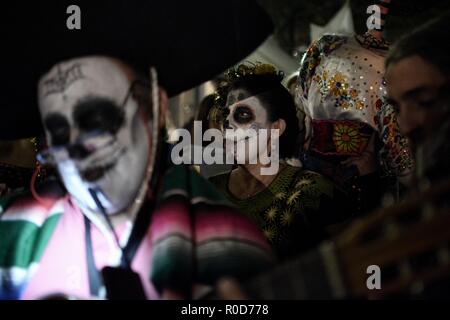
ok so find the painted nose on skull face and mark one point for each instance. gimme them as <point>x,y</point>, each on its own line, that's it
<point>95,117</point>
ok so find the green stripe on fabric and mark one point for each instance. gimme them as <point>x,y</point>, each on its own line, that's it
<point>22,242</point>
<point>205,189</point>
<point>172,264</point>
<point>176,178</point>
<point>240,263</point>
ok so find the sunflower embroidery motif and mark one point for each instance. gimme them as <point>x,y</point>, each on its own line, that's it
<point>303,183</point>
<point>287,217</point>
<point>293,197</point>
<point>280,195</point>
<point>346,138</point>
<point>270,233</point>
<point>271,213</point>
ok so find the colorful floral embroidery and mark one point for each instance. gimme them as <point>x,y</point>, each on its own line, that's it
<point>354,93</point>
<point>395,154</point>
<point>338,86</point>
<point>311,59</point>
<point>329,43</point>
<point>346,138</point>
<point>340,137</point>
<point>359,105</point>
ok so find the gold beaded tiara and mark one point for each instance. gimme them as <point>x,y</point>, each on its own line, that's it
<point>241,71</point>
<point>250,68</point>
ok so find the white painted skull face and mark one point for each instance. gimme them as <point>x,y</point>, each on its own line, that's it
<point>89,113</point>
<point>247,116</point>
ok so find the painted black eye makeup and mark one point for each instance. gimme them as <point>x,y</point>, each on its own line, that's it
<point>99,114</point>
<point>59,128</point>
<point>243,115</point>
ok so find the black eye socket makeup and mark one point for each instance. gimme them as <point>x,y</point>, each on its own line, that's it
<point>59,128</point>
<point>243,115</point>
<point>99,114</point>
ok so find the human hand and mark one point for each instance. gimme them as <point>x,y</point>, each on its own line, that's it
<point>229,289</point>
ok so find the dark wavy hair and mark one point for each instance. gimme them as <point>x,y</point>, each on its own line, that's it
<point>428,41</point>
<point>279,105</point>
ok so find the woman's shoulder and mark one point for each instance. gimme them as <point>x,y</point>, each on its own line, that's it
<point>312,183</point>
<point>311,175</point>
<point>220,180</point>
<point>297,173</point>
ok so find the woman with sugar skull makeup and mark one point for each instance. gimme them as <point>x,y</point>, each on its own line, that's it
<point>129,226</point>
<point>291,205</point>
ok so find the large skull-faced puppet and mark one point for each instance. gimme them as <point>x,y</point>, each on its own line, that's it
<point>98,137</point>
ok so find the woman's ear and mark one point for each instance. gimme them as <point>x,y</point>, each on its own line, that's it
<point>163,107</point>
<point>280,124</point>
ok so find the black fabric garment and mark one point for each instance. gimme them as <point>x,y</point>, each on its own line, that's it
<point>363,192</point>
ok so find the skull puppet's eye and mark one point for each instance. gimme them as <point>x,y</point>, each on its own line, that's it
<point>243,114</point>
<point>59,128</point>
<point>98,114</point>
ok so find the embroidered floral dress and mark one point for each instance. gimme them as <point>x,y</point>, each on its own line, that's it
<point>342,91</point>
<point>293,210</point>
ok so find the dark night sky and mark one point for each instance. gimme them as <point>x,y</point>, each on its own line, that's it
<point>292,17</point>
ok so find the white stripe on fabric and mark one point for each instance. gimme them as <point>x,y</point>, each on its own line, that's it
<point>16,275</point>
<point>35,214</point>
<point>194,200</point>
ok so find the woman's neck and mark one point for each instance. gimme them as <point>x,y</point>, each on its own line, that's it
<point>247,181</point>
<point>255,171</point>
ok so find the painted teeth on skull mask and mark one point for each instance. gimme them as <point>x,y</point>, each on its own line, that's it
<point>107,157</point>
<point>98,168</point>
<point>96,173</point>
